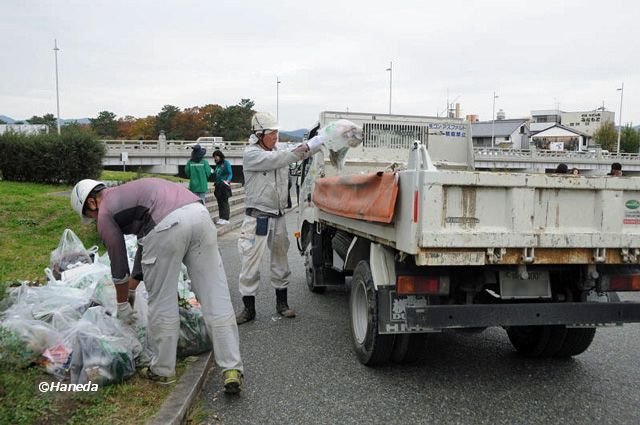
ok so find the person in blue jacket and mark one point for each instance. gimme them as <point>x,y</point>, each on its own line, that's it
<point>222,191</point>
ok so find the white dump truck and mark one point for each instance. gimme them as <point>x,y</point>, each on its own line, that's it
<point>431,245</point>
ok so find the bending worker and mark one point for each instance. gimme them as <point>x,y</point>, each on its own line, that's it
<point>266,173</point>
<point>172,227</point>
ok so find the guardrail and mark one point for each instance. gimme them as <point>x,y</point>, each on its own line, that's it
<point>169,146</point>
<point>539,154</point>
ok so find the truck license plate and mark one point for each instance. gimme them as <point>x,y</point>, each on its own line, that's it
<point>537,285</point>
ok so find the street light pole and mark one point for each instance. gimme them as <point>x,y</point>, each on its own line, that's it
<point>621,90</point>
<point>493,120</point>
<point>390,69</point>
<point>55,49</point>
<point>277,99</point>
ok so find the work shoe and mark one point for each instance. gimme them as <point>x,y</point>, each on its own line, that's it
<point>281,304</point>
<point>148,374</point>
<point>249,312</point>
<point>233,380</point>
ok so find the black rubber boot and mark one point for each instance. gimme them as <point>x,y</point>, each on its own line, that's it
<point>281,304</point>
<point>249,312</point>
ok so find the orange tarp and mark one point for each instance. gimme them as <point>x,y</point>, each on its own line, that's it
<point>369,197</point>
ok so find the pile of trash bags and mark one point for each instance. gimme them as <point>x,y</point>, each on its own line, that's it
<point>69,325</point>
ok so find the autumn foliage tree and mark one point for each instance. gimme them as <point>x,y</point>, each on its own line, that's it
<point>231,123</point>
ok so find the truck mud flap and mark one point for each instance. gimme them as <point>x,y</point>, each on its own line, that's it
<point>413,314</point>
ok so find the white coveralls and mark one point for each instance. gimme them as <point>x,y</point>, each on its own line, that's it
<point>187,235</point>
<point>266,176</point>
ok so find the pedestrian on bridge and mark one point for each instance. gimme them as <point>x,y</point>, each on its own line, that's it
<point>223,175</point>
<point>616,170</point>
<point>198,170</point>
<point>266,173</point>
<point>172,227</point>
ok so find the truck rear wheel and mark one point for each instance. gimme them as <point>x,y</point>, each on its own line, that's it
<point>537,341</point>
<point>407,348</point>
<point>576,342</point>
<point>314,275</point>
<point>371,347</point>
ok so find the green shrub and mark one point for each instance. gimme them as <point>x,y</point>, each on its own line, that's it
<point>50,158</point>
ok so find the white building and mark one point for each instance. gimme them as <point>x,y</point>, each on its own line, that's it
<point>559,138</point>
<point>586,122</point>
<point>510,134</point>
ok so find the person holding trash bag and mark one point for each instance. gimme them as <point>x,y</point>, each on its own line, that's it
<point>198,170</point>
<point>266,173</point>
<point>222,191</point>
<point>172,227</point>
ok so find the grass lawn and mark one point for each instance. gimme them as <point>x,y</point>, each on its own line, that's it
<point>32,219</point>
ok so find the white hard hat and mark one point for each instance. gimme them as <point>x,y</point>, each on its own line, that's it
<point>80,193</point>
<point>263,121</point>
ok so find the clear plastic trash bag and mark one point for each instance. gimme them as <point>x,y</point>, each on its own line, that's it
<point>193,339</point>
<point>70,253</point>
<point>340,136</point>
<point>104,350</point>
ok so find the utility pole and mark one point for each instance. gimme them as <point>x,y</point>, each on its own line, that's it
<point>277,99</point>
<point>390,69</point>
<point>621,90</point>
<point>55,49</point>
<point>493,120</point>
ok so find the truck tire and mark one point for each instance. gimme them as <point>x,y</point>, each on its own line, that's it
<point>407,348</point>
<point>370,347</point>
<point>314,275</point>
<point>576,342</point>
<point>537,341</point>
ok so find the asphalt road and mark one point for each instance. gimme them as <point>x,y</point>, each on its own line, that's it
<point>303,371</point>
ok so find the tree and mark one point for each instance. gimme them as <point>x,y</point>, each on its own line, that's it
<point>124,126</point>
<point>47,119</point>
<point>188,124</point>
<point>234,122</point>
<point>210,115</point>
<point>144,128</point>
<point>630,140</point>
<point>105,124</point>
<point>165,120</point>
<point>607,136</point>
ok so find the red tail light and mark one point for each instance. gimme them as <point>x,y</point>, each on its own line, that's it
<point>412,285</point>
<point>624,283</point>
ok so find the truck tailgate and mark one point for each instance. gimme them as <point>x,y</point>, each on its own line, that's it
<point>502,210</point>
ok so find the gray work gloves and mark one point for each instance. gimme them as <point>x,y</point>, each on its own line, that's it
<point>126,314</point>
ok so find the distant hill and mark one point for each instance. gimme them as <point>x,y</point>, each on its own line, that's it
<point>63,121</point>
<point>295,134</point>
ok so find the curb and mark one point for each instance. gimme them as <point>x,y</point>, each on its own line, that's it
<point>177,404</point>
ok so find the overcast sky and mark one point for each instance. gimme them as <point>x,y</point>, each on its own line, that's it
<point>132,57</point>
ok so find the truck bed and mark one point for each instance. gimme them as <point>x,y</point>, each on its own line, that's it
<point>465,217</point>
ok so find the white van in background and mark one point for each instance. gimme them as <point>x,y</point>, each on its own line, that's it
<point>209,143</point>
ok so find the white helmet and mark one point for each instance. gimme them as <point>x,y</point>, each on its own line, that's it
<point>263,121</point>
<point>80,193</point>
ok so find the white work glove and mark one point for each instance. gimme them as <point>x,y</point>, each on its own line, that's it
<point>315,143</point>
<point>341,134</point>
<point>126,314</point>
<point>132,297</point>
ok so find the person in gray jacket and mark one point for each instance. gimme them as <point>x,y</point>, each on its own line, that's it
<point>266,173</point>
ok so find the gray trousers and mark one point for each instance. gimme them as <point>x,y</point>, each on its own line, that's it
<point>188,236</point>
<point>252,248</point>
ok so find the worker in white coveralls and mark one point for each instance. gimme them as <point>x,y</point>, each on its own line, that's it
<point>266,173</point>
<point>173,227</point>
